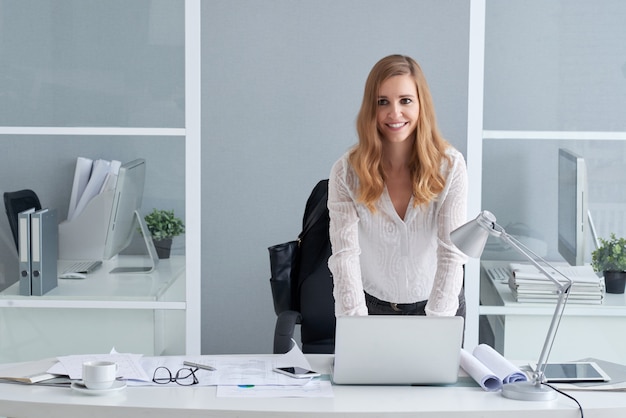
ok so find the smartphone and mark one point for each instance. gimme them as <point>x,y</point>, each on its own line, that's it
<point>296,372</point>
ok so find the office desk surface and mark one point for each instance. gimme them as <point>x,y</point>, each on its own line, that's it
<point>348,401</point>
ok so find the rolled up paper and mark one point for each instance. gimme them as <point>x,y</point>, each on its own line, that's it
<point>479,372</point>
<point>501,367</point>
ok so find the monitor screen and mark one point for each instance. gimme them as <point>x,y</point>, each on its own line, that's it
<point>572,207</point>
<point>127,200</point>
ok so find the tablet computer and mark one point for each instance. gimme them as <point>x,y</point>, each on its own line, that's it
<point>574,371</point>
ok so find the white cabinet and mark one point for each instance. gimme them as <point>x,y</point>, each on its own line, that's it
<point>136,313</point>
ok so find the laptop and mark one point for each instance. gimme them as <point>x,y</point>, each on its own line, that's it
<point>396,350</point>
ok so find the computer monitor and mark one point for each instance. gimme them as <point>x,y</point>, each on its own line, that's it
<point>125,219</point>
<point>572,207</point>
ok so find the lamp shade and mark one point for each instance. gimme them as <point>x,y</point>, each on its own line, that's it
<point>471,237</point>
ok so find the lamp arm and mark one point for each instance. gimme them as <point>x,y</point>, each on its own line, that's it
<point>547,345</point>
<point>562,291</point>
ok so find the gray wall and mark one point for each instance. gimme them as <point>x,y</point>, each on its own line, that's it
<point>281,85</point>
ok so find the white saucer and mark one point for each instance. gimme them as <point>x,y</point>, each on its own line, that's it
<point>117,386</point>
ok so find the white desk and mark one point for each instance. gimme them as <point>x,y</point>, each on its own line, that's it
<point>139,313</point>
<point>349,401</point>
<point>586,330</point>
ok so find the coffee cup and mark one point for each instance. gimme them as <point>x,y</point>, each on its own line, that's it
<point>99,374</point>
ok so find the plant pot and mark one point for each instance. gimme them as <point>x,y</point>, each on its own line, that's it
<point>615,281</point>
<point>163,247</point>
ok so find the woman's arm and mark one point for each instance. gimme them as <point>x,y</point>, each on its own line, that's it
<point>443,300</point>
<point>344,263</point>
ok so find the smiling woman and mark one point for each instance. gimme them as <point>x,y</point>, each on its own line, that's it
<point>398,108</point>
<point>393,200</point>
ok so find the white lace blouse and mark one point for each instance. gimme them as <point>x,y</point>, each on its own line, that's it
<point>396,260</point>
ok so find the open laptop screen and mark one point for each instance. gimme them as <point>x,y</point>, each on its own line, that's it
<point>390,349</point>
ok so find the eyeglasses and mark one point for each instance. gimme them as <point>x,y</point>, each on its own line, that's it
<point>184,377</point>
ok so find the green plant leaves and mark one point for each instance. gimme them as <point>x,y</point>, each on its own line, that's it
<point>610,255</point>
<point>163,224</point>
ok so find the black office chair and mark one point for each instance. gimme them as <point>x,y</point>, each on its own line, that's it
<point>16,202</point>
<point>313,295</point>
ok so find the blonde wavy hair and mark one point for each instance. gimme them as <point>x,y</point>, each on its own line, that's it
<point>429,148</point>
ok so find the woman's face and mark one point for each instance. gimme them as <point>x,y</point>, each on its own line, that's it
<point>398,108</point>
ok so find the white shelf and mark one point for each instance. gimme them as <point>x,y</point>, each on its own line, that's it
<point>556,135</point>
<point>103,290</point>
<point>90,131</point>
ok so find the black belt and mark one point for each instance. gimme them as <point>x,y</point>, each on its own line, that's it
<point>403,307</point>
<point>398,307</point>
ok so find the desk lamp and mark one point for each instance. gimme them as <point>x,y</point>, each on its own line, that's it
<point>471,239</point>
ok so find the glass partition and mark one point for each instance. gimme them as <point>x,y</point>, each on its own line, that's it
<point>92,63</point>
<point>555,65</point>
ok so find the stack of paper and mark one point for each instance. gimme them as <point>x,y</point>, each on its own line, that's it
<point>530,285</point>
<point>90,179</point>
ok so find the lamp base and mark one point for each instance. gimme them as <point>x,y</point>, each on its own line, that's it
<point>528,391</point>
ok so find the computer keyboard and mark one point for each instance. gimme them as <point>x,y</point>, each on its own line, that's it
<point>500,274</point>
<point>82,267</point>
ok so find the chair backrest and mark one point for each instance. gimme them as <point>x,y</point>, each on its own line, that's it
<point>16,202</point>
<point>311,303</point>
<point>313,295</point>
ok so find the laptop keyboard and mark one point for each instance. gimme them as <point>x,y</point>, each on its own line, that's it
<point>83,267</point>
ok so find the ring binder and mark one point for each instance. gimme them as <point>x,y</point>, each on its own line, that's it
<point>24,249</point>
<point>37,251</point>
<point>44,251</point>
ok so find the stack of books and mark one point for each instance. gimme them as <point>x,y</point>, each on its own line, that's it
<point>528,284</point>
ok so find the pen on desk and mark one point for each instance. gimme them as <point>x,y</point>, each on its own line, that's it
<point>198,365</point>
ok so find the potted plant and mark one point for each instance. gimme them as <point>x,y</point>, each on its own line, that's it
<point>610,258</point>
<point>164,225</point>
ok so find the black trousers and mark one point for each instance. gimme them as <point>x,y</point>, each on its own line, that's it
<point>376,306</point>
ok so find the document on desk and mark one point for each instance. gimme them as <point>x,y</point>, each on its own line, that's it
<point>313,389</point>
<point>489,368</point>
<point>232,370</point>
